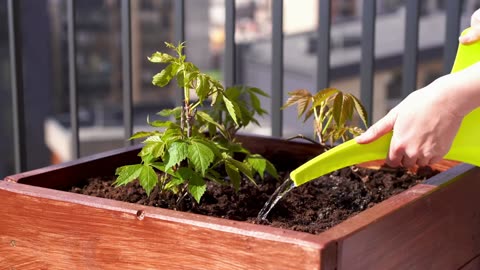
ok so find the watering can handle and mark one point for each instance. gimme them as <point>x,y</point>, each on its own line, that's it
<point>465,146</point>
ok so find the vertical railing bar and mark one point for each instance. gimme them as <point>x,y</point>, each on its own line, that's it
<point>179,24</point>
<point>230,43</point>
<point>411,47</point>
<point>367,64</point>
<point>323,44</point>
<point>72,68</point>
<point>127,71</point>
<point>452,31</point>
<point>277,68</point>
<point>16,75</point>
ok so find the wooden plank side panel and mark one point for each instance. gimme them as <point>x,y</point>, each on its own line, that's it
<point>438,231</point>
<point>41,233</point>
<point>473,264</point>
<point>372,215</point>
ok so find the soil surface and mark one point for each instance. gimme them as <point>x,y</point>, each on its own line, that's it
<point>312,207</point>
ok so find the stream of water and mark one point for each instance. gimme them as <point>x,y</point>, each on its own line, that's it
<point>283,189</point>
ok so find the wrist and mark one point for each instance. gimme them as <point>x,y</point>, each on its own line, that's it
<point>459,92</point>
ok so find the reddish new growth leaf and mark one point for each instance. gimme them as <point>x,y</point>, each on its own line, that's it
<point>333,113</point>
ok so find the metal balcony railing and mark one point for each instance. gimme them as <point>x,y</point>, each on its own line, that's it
<point>367,65</point>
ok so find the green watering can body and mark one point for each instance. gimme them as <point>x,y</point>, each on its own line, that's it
<point>465,147</point>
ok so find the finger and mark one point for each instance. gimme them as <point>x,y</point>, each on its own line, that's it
<point>474,33</point>
<point>475,19</point>
<point>435,160</point>
<point>395,155</point>
<point>408,162</point>
<point>422,162</point>
<point>378,129</point>
<point>472,36</point>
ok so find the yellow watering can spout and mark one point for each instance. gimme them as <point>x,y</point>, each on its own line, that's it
<point>465,146</point>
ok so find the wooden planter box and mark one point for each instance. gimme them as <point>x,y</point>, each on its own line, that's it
<point>434,225</point>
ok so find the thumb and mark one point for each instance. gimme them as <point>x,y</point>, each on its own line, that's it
<point>474,33</point>
<point>378,129</point>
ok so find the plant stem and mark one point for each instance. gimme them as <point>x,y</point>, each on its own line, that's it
<point>300,136</point>
<point>188,119</point>
<point>328,123</point>
<point>319,122</point>
<point>186,109</point>
<point>180,199</point>
<point>182,119</point>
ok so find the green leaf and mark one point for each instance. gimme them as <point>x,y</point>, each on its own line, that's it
<point>258,163</point>
<point>350,105</point>
<point>308,115</point>
<point>174,182</point>
<point>256,104</point>
<point>165,76</point>
<point>127,174</point>
<point>181,76</point>
<point>232,109</point>
<point>234,92</point>
<point>215,176</point>
<point>177,151</point>
<point>203,87</point>
<point>159,57</point>
<point>171,134</point>
<point>360,110</point>
<point>245,115</point>
<point>154,147</point>
<point>197,190</point>
<point>159,166</point>
<point>168,112</point>
<point>258,91</point>
<point>271,169</point>
<point>171,46</point>
<point>338,107</point>
<point>244,168</point>
<point>323,95</point>
<point>234,175</point>
<point>214,146</point>
<point>212,130</point>
<point>214,97</point>
<point>347,110</point>
<point>235,147</point>
<point>142,134</point>
<point>147,158</point>
<point>186,73</point>
<point>147,178</point>
<point>200,155</point>
<point>207,118</point>
<point>196,184</point>
<point>159,123</point>
<point>154,138</point>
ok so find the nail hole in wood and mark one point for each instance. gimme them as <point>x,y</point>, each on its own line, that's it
<point>140,214</point>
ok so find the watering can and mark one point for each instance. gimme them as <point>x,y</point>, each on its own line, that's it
<point>351,153</point>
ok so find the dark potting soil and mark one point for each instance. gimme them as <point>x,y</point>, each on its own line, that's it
<point>312,207</point>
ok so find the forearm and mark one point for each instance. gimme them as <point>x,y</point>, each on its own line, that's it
<point>462,89</point>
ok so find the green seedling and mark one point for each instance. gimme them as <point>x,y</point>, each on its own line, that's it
<point>333,113</point>
<point>199,144</point>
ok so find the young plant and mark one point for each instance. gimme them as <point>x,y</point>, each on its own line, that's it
<point>197,145</point>
<point>332,110</point>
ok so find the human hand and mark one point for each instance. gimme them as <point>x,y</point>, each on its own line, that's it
<point>474,33</point>
<point>424,125</point>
